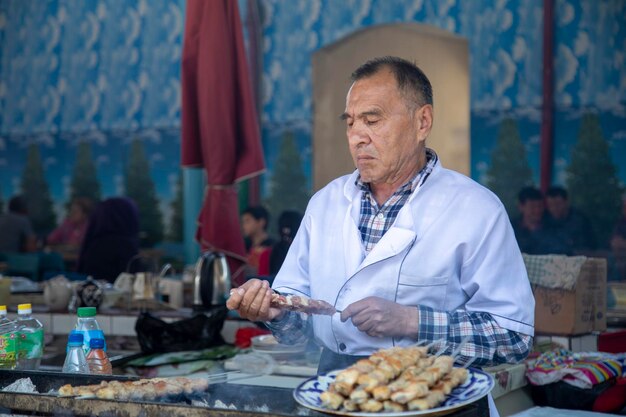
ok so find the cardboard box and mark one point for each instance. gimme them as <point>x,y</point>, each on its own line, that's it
<point>580,311</point>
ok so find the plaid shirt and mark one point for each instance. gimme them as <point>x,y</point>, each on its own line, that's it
<point>375,221</point>
<point>489,344</point>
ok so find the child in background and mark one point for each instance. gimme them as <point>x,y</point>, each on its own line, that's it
<point>254,221</point>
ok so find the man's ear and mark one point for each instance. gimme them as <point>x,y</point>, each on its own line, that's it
<point>424,116</point>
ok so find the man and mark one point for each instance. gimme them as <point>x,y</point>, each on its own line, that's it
<point>530,231</point>
<point>16,232</point>
<point>407,250</point>
<point>570,226</point>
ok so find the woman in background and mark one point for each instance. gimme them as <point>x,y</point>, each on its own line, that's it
<point>69,235</point>
<point>111,240</point>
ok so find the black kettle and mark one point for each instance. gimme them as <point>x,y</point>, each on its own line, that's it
<point>211,284</point>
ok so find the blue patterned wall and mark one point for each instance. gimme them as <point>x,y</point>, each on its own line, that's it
<point>505,42</point>
<point>108,71</point>
<point>104,72</point>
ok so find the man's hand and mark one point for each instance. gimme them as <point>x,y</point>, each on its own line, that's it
<point>379,317</point>
<point>252,301</point>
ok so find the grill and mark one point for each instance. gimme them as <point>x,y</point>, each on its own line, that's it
<point>250,401</point>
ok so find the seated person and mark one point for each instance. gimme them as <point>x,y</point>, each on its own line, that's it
<point>254,221</point>
<point>530,232</point>
<point>68,237</point>
<point>16,231</point>
<point>111,240</point>
<point>568,225</point>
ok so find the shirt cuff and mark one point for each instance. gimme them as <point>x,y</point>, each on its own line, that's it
<point>433,324</point>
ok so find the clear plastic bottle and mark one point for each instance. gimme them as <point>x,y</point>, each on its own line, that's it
<point>88,326</point>
<point>30,340</point>
<point>75,360</point>
<point>8,340</point>
<point>97,358</point>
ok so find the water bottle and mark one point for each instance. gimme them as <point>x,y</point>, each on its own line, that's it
<point>8,340</point>
<point>88,326</point>
<point>97,358</point>
<point>30,338</point>
<point>75,360</point>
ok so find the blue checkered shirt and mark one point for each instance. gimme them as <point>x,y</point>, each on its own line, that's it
<point>489,344</point>
<point>375,221</point>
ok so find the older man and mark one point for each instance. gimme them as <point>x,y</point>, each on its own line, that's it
<point>406,249</point>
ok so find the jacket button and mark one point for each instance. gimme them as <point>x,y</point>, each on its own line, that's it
<point>342,346</point>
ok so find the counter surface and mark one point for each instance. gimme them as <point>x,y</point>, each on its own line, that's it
<point>219,400</point>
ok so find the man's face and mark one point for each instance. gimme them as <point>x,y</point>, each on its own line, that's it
<point>557,207</point>
<point>532,211</point>
<point>383,133</point>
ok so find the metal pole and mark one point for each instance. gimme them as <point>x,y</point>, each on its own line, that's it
<point>193,195</point>
<point>547,111</point>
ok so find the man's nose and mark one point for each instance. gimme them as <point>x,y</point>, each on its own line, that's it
<point>358,134</point>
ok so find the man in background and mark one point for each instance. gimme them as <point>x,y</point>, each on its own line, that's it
<point>530,232</point>
<point>16,231</point>
<point>569,226</point>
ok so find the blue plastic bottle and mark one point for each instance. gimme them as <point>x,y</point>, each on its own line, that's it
<point>75,360</point>
<point>88,326</point>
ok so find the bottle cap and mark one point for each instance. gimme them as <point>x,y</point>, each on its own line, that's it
<point>86,312</point>
<point>24,309</point>
<point>96,343</point>
<point>75,338</point>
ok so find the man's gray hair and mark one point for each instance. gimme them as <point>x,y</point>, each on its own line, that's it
<point>411,80</point>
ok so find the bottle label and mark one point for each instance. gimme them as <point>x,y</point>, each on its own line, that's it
<point>30,344</point>
<point>92,334</point>
<point>8,348</point>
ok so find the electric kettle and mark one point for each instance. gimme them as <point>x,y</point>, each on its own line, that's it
<point>211,284</point>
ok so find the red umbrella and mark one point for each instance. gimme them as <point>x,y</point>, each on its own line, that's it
<point>220,130</point>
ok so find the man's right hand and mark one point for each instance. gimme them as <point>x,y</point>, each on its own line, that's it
<point>252,301</point>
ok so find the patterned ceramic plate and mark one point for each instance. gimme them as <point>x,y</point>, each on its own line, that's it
<point>477,385</point>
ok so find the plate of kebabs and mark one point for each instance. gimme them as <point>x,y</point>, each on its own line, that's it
<point>395,382</point>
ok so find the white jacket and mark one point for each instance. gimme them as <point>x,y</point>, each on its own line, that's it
<point>451,247</point>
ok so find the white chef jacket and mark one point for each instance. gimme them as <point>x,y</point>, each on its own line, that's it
<point>451,247</point>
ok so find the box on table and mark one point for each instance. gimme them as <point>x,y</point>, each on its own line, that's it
<point>579,311</point>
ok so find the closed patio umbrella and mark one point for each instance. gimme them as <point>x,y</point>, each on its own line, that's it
<point>220,130</point>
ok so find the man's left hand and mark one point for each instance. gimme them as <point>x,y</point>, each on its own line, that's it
<point>379,317</point>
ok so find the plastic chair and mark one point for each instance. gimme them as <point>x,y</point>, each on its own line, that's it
<point>50,262</point>
<point>23,264</point>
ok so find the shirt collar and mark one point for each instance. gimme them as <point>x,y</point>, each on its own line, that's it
<point>431,160</point>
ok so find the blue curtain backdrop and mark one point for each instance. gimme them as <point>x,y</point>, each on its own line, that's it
<point>109,71</point>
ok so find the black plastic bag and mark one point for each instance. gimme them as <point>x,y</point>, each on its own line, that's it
<point>563,395</point>
<point>199,332</point>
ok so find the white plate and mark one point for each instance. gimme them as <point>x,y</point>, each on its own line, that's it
<point>268,344</point>
<point>477,385</point>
